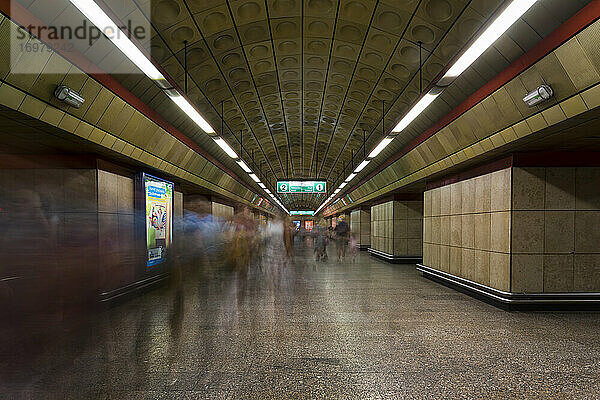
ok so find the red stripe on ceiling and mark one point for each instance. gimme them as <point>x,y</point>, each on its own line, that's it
<point>560,35</point>
<point>23,17</point>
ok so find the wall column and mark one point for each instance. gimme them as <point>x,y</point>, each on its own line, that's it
<point>521,233</point>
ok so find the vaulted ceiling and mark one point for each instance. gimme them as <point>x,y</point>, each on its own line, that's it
<point>303,82</point>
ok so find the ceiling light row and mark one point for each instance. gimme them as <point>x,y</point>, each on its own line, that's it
<point>497,28</point>
<point>93,12</point>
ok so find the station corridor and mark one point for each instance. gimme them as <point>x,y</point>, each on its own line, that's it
<point>364,329</point>
<point>299,199</point>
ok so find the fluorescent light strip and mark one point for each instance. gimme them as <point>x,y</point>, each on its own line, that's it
<point>382,145</point>
<point>244,166</point>
<point>262,185</point>
<point>190,111</point>
<point>350,177</point>
<point>255,178</point>
<point>343,185</point>
<point>415,111</point>
<point>505,20</point>
<point>361,166</point>
<point>98,17</point>
<point>225,146</point>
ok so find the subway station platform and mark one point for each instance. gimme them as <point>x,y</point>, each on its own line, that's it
<point>366,329</point>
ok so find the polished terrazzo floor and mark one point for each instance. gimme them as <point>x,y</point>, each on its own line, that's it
<point>363,330</point>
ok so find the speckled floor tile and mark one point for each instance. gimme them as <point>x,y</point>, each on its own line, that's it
<point>364,330</point>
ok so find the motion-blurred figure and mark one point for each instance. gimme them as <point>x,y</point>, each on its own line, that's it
<point>321,239</point>
<point>342,231</point>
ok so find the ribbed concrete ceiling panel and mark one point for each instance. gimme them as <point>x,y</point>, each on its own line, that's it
<point>301,82</point>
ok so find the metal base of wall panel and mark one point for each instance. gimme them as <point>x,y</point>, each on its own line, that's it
<point>395,259</point>
<point>363,247</point>
<point>514,301</point>
<point>135,288</point>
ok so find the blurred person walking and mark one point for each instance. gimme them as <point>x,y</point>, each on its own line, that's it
<point>342,231</point>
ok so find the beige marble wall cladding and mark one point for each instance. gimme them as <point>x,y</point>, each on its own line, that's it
<point>556,230</point>
<point>397,228</point>
<point>360,225</point>
<point>222,211</point>
<point>466,229</point>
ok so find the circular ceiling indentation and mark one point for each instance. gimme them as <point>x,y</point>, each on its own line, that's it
<point>312,95</point>
<point>373,58</point>
<point>367,73</point>
<point>322,6</point>
<point>232,59</point>
<point>350,33</point>
<point>409,54</point>
<point>292,103</point>
<point>167,11</point>
<point>391,84</point>
<point>289,75</point>
<point>286,28</point>
<point>281,6</point>
<point>312,103</point>
<point>390,20</point>
<point>400,70</point>
<point>318,28</point>
<point>288,62</point>
<point>315,61</point>
<point>355,9</point>
<point>213,84</point>
<point>361,85</point>
<point>336,88</point>
<point>380,40</point>
<point>287,46</point>
<point>339,78</point>
<point>423,33</point>
<point>237,73</point>
<point>316,45</point>
<point>248,9</point>
<point>287,86</point>
<point>342,65</point>
<point>214,21</point>
<point>259,51</point>
<point>313,86</point>
<point>196,56</point>
<point>262,66</point>
<point>439,10</point>
<point>316,75</point>
<point>182,34</point>
<point>158,52</point>
<point>345,51</point>
<point>223,42</point>
<point>468,27</point>
<point>255,33</point>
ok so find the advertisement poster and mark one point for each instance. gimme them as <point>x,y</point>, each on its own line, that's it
<point>159,218</point>
<point>297,223</point>
<point>308,225</point>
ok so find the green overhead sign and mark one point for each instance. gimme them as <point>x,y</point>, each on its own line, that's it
<point>301,187</point>
<point>302,213</point>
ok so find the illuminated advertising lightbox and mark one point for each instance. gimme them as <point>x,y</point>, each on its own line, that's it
<point>308,225</point>
<point>297,223</point>
<point>159,218</point>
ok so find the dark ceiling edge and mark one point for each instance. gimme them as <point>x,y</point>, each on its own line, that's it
<point>23,17</point>
<point>584,17</point>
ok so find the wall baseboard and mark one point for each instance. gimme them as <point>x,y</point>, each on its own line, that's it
<point>514,301</point>
<point>133,288</point>
<point>395,259</point>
